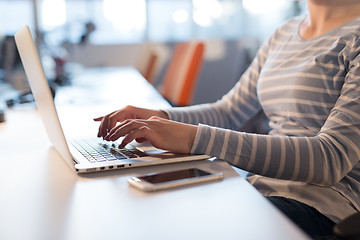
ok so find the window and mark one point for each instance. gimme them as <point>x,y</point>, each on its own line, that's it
<point>263,16</point>
<point>135,21</point>
<point>114,21</point>
<point>169,20</point>
<point>217,19</point>
<point>15,14</point>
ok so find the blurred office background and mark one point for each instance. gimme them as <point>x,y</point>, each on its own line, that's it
<point>76,34</point>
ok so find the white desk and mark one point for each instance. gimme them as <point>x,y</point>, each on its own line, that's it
<point>41,198</point>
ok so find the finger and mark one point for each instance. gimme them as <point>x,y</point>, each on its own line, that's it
<point>124,128</point>
<point>120,125</point>
<point>140,133</point>
<point>140,140</point>
<point>101,127</point>
<point>112,120</point>
<point>98,119</point>
<point>104,127</point>
<point>99,130</point>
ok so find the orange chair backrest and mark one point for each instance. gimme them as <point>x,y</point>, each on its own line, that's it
<point>150,67</point>
<point>181,75</point>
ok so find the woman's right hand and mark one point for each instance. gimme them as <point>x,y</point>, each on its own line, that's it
<point>110,120</point>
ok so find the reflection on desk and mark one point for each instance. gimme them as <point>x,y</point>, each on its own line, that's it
<point>41,198</point>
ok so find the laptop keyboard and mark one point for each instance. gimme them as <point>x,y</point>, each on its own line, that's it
<point>96,150</point>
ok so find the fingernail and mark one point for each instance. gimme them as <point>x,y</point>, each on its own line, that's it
<point>107,137</point>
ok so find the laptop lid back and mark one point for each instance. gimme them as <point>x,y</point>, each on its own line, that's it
<point>41,91</point>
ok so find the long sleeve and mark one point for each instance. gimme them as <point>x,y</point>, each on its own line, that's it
<point>224,113</point>
<point>324,158</point>
<point>310,92</point>
<point>314,138</point>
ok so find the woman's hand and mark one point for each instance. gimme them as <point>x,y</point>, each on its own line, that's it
<point>160,132</point>
<point>110,120</point>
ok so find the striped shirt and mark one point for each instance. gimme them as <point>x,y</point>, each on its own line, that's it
<point>310,92</point>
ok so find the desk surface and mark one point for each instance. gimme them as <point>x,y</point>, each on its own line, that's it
<point>41,198</point>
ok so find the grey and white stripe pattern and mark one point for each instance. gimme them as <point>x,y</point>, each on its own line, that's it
<point>310,91</point>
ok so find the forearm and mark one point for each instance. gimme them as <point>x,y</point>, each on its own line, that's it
<point>230,112</point>
<point>205,113</point>
<point>316,160</point>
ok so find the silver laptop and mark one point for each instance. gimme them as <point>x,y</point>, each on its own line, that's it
<point>84,155</point>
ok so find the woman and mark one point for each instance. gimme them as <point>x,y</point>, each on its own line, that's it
<point>306,79</point>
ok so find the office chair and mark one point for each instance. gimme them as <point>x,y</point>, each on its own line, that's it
<point>148,60</point>
<point>349,228</point>
<point>151,58</point>
<point>150,67</point>
<point>181,75</point>
<point>147,63</point>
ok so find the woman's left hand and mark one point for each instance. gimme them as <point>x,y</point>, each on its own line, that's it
<point>161,133</point>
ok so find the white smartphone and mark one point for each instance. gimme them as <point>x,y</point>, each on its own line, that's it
<point>159,181</point>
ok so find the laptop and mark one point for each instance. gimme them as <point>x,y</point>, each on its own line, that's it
<point>84,155</point>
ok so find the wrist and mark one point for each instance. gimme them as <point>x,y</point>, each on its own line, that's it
<point>163,114</point>
<point>192,136</point>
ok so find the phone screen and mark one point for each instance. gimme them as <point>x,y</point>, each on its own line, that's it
<point>175,175</point>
